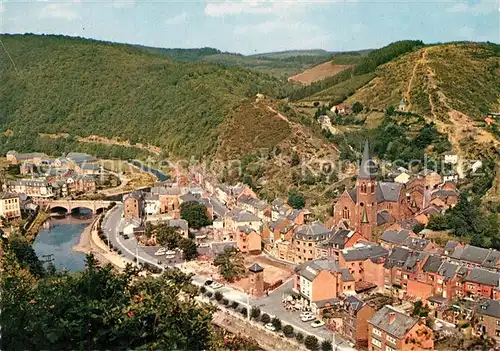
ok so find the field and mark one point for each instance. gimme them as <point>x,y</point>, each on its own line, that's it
<point>318,72</point>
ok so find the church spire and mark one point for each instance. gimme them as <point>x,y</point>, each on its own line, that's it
<point>367,168</point>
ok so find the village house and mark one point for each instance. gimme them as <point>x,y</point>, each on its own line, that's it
<point>472,256</point>
<point>338,240</point>
<point>365,261</point>
<point>81,184</point>
<point>305,239</point>
<point>277,238</point>
<point>450,158</point>
<point>481,283</point>
<point>319,282</point>
<point>248,240</point>
<point>133,205</point>
<point>87,168</point>
<point>182,225</point>
<point>239,218</point>
<point>253,205</point>
<point>371,203</point>
<point>77,158</point>
<point>169,199</point>
<point>279,209</point>
<point>395,237</point>
<point>35,188</point>
<point>390,329</point>
<point>152,204</point>
<point>355,316</point>
<point>10,206</point>
<point>35,158</point>
<point>488,319</point>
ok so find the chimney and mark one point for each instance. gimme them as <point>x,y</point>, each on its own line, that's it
<point>392,317</point>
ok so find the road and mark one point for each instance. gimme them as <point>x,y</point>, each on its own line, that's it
<point>271,304</point>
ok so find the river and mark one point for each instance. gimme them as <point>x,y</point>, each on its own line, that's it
<point>57,238</point>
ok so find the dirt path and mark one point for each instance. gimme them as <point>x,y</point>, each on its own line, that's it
<point>278,113</point>
<point>407,94</point>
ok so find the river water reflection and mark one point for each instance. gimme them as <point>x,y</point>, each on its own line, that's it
<point>57,238</point>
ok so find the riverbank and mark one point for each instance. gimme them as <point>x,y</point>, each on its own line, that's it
<point>35,227</point>
<point>83,244</point>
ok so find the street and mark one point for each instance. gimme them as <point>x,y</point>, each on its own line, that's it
<point>271,304</point>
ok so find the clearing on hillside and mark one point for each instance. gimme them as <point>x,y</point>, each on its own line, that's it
<point>319,72</point>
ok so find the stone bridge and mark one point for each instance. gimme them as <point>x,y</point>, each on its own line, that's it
<point>95,206</point>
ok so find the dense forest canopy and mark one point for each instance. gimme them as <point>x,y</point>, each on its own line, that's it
<point>84,87</point>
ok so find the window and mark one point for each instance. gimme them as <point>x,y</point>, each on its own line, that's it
<point>388,348</point>
<point>405,276</point>
<point>391,339</point>
<point>376,343</point>
<point>497,332</point>
<point>498,322</point>
<point>377,332</point>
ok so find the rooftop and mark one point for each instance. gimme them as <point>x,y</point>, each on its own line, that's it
<point>399,326</point>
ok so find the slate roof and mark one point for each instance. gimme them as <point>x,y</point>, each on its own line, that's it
<point>492,259</point>
<point>245,216</point>
<point>398,328</point>
<point>416,243</point>
<point>433,264</point>
<point>151,197</point>
<point>312,229</point>
<point>354,303</point>
<point>29,155</point>
<point>361,253</point>
<point>353,194</point>
<point>346,275</point>
<point>90,166</point>
<point>383,217</point>
<point>448,269</point>
<point>367,168</point>
<point>259,204</point>
<point>310,269</point>
<point>388,191</point>
<point>189,197</point>
<point>483,276</point>
<point>179,223</point>
<point>338,238</point>
<point>474,254</point>
<point>489,308</point>
<point>395,236</point>
<point>80,157</point>
<point>397,257</point>
<point>4,195</point>
<point>245,229</point>
<point>255,268</point>
<point>160,190</point>
<point>30,182</point>
<point>457,253</point>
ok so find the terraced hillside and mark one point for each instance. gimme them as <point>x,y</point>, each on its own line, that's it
<point>454,85</point>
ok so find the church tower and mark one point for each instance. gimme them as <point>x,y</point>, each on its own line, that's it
<point>366,198</point>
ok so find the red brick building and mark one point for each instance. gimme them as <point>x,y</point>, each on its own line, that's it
<point>371,203</point>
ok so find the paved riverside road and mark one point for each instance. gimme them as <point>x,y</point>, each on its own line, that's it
<point>271,304</point>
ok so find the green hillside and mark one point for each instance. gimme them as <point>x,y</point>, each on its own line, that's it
<point>55,84</point>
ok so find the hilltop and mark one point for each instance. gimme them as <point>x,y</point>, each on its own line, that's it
<point>56,84</point>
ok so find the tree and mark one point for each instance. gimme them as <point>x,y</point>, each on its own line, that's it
<point>311,342</point>
<point>231,264</point>
<point>326,345</point>
<point>218,296</point>
<point>25,255</point>
<point>195,213</point>
<point>299,337</point>
<point>165,235</point>
<point>118,310</point>
<point>255,312</point>
<point>296,200</point>
<point>390,110</point>
<point>276,323</point>
<point>288,330</point>
<point>418,228</point>
<point>189,249</point>
<point>265,318</point>
<point>244,311</point>
<point>295,159</point>
<point>234,305</point>
<point>357,107</point>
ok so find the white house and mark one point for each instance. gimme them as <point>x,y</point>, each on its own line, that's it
<point>451,157</point>
<point>402,178</point>
<point>152,204</point>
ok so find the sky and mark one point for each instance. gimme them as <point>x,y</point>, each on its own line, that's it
<point>256,26</point>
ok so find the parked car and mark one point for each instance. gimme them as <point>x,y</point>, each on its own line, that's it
<point>307,318</point>
<point>307,313</point>
<point>317,324</point>
<point>160,252</point>
<point>270,326</point>
<point>170,252</point>
<point>170,257</point>
<point>216,285</point>
<point>204,245</point>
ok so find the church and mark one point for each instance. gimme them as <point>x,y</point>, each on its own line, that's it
<point>370,203</point>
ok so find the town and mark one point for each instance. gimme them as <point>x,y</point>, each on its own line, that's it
<point>370,277</point>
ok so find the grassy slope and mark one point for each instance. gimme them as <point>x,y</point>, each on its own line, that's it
<point>88,87</point>
<point>467,74</point>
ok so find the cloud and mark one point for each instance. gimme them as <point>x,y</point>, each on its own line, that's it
<point>59,10</point>
<point>178,19</point>
<point>474,8</point>
<point>123,4</point>
<point>262,7</point>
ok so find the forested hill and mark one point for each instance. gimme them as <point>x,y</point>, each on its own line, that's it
<point>56,84</point>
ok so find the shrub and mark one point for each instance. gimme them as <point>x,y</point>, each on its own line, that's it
<point>311,342</point>
<point>218,295</point>
<point>276,323</point>
<point>209,294</point>
<point>255,312</point>
<point>244,311</point>
<point>326,345</point>
<point>299,337</point>
<point>265,318</point>
<point>120,252</point>
<point>225,302</point>
<point>203,290</point>
<point>288,330</point>
<point>234,305</point>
